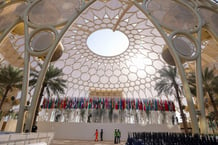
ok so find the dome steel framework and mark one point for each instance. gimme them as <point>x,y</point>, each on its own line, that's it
<point>185,28</point>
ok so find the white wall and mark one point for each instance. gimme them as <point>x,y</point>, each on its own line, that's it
<point>86,131</point>
<point>11,125</point>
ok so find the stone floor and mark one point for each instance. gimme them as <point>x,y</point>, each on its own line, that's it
<point>81,142</point>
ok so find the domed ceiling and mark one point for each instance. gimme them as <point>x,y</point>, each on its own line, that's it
<point>131,70</point>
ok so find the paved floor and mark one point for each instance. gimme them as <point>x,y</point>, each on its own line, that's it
<point>79,142</point>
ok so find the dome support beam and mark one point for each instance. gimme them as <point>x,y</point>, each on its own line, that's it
<point>35,97</point>
<point>187,92</point>
<point>200,94</point>
<point>123,13</point>
<point>169,35</point>
<point>5,33</point>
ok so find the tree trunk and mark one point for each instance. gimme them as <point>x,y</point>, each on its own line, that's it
<point>181,110</point>
<point>38,104</point>
<point>214,106</point>
<point>211,123</point>
<point>4,97</point>
<point>213,102</point>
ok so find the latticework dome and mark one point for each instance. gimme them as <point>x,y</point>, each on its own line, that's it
<point>147,27</point>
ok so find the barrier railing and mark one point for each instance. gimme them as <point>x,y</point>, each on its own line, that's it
<point>167,138</point>
<point>43,138</point>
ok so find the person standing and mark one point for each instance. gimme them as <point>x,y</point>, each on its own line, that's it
<point>96,135</point>
<point>115,136</point>
<point>118,136</point>
<point>101,134</point>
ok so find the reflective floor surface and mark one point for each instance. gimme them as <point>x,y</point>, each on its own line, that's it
<point>81,142</point>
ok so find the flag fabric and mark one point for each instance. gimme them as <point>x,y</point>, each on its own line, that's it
<point>116,103</point>
<point>166,106</point>
<point>75,103</point>
<point>108,103</point>
<point>123,104</point>
<point>99,103</point>
<point>173,107</point>
<point>44,103</point>
<point>136,104</point>
<point>71,103</point>
<point>129,104</point>
<point>155,105</point>
<point>147,105</point>
<point>144,105</point>
<point>103,103</point>
<point>120,104</point>
<point>161,106</point>
<point>90,103</point>
<point>53,103</point>
<point>65,103</point>
<point>140,105</point>
<point>56,103</point>
<point>133,104</point>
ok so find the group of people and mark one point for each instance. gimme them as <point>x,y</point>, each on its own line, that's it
<point>117,135</point>
<point>96,135</point>
<point>167,138</point>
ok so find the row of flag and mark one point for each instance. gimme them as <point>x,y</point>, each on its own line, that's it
<point>109,103</point>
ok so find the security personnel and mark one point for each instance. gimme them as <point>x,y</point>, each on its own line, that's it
<point>118,136</point>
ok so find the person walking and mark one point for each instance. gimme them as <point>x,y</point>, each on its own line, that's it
<point>101,134</point>
<point>96,135</point>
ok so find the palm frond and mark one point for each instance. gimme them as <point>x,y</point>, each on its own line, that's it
<point>10,77</point>
<point>210,81</point>
<point>53,81</point>
<point>166,81</point>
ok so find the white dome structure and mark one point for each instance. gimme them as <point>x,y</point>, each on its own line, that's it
<point>110,45</point>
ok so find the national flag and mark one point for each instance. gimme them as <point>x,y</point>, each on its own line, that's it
<point>103,103</point>
<point>123,104</point>
<point>129,103</point>
<point>147,105</point>
<point>75,103</point>
<point>44,103</point>
<point>65,103</point>
<point>166,106</point>
<point>56,102</point>
<point>116,103</point>
<point>53,103</point>
<point>110,104</point>
<point>106,103</point>
<point>62,103</point>
<point>155,105</point>
<point>140,105</point>
<point>120,104</point>
<point>144,104</point>
<point>99,103</point>
<point>173,107</point>
<point>71,103</point>
<point>113,103</point>
<point>136,104</point>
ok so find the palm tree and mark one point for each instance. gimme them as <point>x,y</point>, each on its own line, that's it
<point>52,83</point>
<point>212,121</point>
<point>8,104</point>
<point>10,77</point>
<point>210,85</point>
<point>168,84</point>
